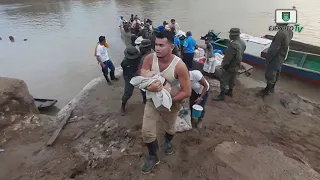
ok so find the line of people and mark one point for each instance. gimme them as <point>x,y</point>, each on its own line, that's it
<point>185,44</point>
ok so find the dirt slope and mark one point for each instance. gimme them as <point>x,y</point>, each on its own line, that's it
<point>244,138</point>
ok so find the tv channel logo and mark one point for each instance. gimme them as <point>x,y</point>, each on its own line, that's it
<point>288,16</point>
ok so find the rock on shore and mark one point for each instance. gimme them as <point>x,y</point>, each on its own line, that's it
<point>15,100</point>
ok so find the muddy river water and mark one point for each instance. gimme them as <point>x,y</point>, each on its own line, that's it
<point>57,59</point>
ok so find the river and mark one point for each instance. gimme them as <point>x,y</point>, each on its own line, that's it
<point>57,59</point>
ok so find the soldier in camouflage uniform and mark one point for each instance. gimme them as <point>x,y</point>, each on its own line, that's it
<point>276,55</point>
<point>231,64</point>
<point>130,66</point>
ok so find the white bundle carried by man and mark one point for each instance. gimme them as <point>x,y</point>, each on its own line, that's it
<point>158,98</point>
<point>210,65</point>
<point>163,98</point>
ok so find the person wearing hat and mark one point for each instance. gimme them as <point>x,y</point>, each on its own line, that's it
<point>145,49</point>
<point>231,64</point>
<point>130,66</point>
<point>276,55</point>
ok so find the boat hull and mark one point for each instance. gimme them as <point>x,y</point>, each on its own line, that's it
<point>299,46</point>
<point>289,70</point>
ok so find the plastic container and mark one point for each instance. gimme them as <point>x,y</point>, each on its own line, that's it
<point>202,59</point>
<point>217,51</point>
<point>196,111</point>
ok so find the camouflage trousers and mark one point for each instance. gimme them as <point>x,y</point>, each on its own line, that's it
<point>227,80</point>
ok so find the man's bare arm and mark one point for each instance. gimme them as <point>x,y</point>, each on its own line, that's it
<point>99,59</point>
<point>184,79</point>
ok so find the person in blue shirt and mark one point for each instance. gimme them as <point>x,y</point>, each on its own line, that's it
<point>176,50</point>
<point>177,42</point>
<point>189,45</point>
<point>162,27</point>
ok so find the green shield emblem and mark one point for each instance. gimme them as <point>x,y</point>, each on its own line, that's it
<point>286,16</point>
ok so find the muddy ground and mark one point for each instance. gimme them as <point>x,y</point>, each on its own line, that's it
<point>244,138</point>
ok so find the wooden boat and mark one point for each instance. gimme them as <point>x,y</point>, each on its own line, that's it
<point>300,65</point>
<point>299,46</point>
<point>44,103</point>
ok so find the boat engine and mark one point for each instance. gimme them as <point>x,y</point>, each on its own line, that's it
<point>210,36</point>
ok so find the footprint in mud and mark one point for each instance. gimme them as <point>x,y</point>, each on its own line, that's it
<point>184,154</point>
<point>191,141</point>
<point>78,170</point>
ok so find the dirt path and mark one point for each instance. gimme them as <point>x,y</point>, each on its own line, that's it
<point>243,138</point>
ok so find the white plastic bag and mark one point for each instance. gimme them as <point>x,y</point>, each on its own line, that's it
<point>208,65</point>
<point>219,57</point>
<point>216,61</point>
<point>201,52</point>
<point>196,54</point>
<point>183,122</point>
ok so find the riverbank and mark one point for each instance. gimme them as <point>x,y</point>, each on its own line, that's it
<point>239,134</point>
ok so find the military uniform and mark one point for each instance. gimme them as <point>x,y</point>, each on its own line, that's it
<point>231,64</point>
<point>130,66</point>
<point>276,55</point>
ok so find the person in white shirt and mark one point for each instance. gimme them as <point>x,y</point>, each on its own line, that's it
<point>121,22</point>
<point>200,92</point>
<point>104,60</point>
<point>135,25</point>
<point>174,26</point>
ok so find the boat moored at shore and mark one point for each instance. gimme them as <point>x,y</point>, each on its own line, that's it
<point>300,65</point>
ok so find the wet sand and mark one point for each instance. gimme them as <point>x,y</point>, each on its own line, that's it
<point>243,138</point>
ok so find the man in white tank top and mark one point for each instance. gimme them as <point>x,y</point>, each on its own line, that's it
<point>173,69</point>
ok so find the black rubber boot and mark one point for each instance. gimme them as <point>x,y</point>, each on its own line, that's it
<point>229,93</point>
<point>168,149</point>
<point>113,78</point>
<point>105,74</point>
<point>220,97</point>
<point>266,91</point>
<point>108,80</point>
<point>123,109</point>
<point>153,159</point>
<point>272,88</point>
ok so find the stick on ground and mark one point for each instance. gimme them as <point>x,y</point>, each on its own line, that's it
<point>61,126</point>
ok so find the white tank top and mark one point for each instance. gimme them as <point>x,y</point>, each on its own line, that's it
<point>168,73</point>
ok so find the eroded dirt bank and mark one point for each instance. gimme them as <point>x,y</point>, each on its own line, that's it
<point>244,138</point>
